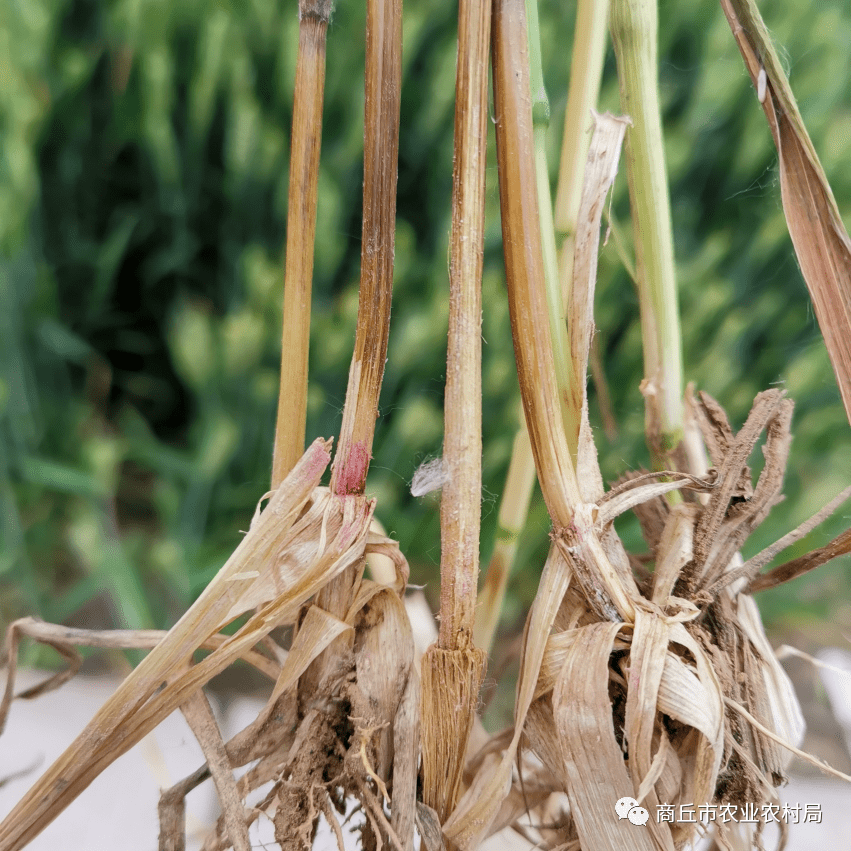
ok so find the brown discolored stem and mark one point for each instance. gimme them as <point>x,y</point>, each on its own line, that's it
<point>383,86</point>
<point>524,264</point>
<point>301,234</point>
<point>606,592</point>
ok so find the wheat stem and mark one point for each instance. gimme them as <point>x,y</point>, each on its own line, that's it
<point>462,445</point>
<point>570,393</point>
<point>513,511</point>
<point>380,166</point>
<point>586,71</point>
<point>524,266</point>
<point>453,669</point>
<point>634,25</point>
<point>301,233</point>
<point>382,83</point>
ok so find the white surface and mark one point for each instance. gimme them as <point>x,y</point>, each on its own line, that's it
<point>836,678</point>
<point>118,812</point>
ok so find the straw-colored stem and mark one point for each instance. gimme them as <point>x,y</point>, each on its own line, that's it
<point>586,72</point>
<point>301,234</point>
<point>462,444</point>
<point>634,25</point>
<point>380,166</point>
<point>383,85</point>
<point>453,669</point>
<point>524,263</point>
<point>513,511</point>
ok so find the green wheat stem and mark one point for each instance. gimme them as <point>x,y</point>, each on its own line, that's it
<point>570,395</point>
<point>634,25</point>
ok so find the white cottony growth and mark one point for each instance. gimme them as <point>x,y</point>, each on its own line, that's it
<point>429,477</point>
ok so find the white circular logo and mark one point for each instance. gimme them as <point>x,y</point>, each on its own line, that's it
<point>624,805</point>
<point>638,815</point>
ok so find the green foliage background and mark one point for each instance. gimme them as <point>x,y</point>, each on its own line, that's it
<point>143,182</point>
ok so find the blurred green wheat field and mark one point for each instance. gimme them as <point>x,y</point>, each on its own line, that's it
<point>143,181</point>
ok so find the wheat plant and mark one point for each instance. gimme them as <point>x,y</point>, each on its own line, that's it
<point>645,675</point>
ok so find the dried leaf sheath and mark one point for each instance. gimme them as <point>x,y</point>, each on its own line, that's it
<point>815,225</point>
<point>304,535</point>
<point>199,715</point>
<point>453,670</point>
<point>599,175</point>
<point>64,639</point>
<point>477,810</point>
<point>840,545</point>
<point>301,232</point>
